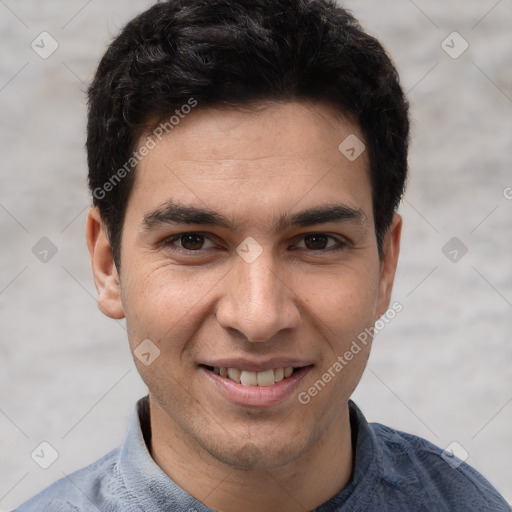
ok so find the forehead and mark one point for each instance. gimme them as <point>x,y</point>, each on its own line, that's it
<point>294,129</point>
<point>276,156</point>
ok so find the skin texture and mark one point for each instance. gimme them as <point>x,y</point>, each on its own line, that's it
<point>292,301</point>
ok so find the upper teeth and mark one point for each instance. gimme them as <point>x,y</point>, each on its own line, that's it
<point>266,378</point>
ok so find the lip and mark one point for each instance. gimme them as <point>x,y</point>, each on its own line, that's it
<point>255,396</point>
<point>256,366</point>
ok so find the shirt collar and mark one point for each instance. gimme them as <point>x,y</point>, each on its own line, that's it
<point>145,482</point>
<point>378,460</point>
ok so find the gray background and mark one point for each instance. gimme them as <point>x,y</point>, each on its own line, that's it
<point>442,368</point>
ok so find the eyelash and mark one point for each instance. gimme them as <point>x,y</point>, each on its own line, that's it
<point>169,243</point>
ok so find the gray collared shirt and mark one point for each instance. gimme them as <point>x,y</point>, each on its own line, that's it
<point>393,471</point>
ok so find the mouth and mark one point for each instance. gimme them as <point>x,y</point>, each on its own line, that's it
<point>250,388</point>
<point>249,378</point>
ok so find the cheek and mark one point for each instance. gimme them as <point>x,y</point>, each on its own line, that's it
<point>345,300</point>
<point>343,308</point>
<point>164,305</point>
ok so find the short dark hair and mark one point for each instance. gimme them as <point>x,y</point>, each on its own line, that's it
<point>238,53</point>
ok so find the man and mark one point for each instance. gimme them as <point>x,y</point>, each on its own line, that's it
<point>246,160</point>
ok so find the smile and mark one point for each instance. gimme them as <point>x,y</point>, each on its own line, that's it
<point>263,388</point>
<point>248,378</point>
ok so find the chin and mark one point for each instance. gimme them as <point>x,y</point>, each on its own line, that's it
<point>265,453</point>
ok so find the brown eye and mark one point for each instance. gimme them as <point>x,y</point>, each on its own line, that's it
<point>192,241</point>
<point>316,241</point>
<point>321,243</point>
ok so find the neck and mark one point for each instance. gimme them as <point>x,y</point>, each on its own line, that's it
<point>304,484</point>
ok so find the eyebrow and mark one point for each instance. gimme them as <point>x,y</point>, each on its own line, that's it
<point>172,212</point>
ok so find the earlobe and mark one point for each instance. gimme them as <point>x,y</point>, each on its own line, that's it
<point>104,269</point>
<point>391,249</point>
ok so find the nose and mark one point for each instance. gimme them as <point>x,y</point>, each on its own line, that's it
<point>257,302</point>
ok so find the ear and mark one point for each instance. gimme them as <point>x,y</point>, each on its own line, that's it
<point>104,269</point>
<point>390,249</point>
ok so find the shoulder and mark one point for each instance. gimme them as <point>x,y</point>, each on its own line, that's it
<point>87,489</point>
<point>447,482</point>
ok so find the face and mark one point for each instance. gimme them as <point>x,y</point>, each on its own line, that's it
<point>249,253</point>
